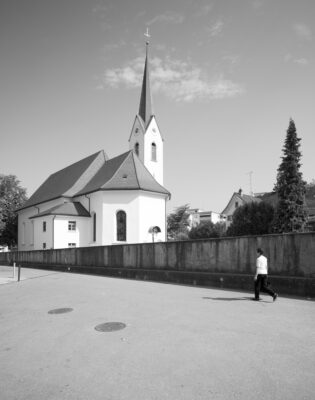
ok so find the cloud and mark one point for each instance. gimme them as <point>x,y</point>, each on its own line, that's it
<point>168,17</point>
<point>204,10</point>
<point>302,31</point>
<point>299,61</point>
<point>216,28</point>
<point>178,80</point>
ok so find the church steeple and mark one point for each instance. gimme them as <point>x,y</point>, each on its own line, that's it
<point>145,108</point>
<point>145,138</point>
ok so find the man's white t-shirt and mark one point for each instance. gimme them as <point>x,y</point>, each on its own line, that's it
<point>261,265</point>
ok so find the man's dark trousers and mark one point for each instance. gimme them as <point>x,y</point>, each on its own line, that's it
<point>262,285</point>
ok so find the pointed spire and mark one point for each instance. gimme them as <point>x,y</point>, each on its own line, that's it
<point>145,108</point>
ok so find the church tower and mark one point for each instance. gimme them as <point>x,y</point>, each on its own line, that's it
<point>145,139</point>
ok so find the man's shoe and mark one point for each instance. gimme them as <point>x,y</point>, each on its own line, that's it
<point>275,296</point>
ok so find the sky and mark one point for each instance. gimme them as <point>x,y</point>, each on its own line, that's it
<point>226,78</point>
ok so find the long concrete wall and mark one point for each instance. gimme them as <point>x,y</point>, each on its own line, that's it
<point>227,262</point>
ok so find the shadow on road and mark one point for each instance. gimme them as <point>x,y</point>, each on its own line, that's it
<point>233,299</point>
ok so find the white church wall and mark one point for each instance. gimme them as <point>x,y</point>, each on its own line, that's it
<point>152,206</point>
<point>120,200</point>
<point>137,136</point>
<point>153,135</point>
<point>79,237</point>
<point>93,202</point>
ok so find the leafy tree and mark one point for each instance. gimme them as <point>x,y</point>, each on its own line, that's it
<point>177,223</point>
<point>291,213</point>
<point>207,229</point>
<point>12,196</point>
<point>252,219</point>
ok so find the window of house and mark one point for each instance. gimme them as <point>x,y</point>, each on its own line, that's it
<point>153,152</point>
<point>72,225</point>
<point>229,218</point>
<point>44,246</point>
<point>94,227</point>
<point>44,226</point>
<point>32,232</point>
<point>23,233</point>
<point>137,149</point>
<point>236,204</point>
<point>121,224</point>
<point>72,245</point>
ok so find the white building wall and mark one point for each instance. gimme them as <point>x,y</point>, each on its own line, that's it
<point>122,200</point>
<point>137,136</point>
<point>80,237</point>
<point>153,213</point>
<point>153,135</point>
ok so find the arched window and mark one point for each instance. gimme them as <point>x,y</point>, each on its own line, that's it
<point>137,149</point>
<point>94,227</point>
<point>153,152</point>
<point>121,223</point>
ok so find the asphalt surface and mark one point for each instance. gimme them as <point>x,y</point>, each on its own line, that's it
<point>179,342</point>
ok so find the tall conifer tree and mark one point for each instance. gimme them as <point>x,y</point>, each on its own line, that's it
<point>290,214</point>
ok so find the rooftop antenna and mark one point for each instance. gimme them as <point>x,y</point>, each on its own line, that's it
<point>250,173</point>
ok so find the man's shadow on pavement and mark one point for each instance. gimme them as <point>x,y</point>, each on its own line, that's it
<point>233,299</point>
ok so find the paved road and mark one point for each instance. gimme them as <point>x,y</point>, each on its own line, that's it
<point>179,343</point>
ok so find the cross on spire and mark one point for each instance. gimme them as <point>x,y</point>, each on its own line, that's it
<point>147,35</point>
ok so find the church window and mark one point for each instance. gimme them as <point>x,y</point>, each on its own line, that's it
<point>72,245</point>
<point>94,227</point>
<point>153,152</point>
<point>72,225</point>
<point>121,223</point>
<point>44,226</point>
<point>137,149</point>
<point>44,246</point>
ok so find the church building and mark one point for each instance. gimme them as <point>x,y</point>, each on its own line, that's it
<point>99,201</point>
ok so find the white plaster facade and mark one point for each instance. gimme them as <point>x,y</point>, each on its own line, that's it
<point>150,146</point>
<point>143,210</point>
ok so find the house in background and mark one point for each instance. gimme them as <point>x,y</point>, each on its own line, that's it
<point>238,199</point>
<point>99,201</point>
<point>197,216</point>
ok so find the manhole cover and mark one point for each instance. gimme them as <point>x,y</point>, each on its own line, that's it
<point>110,326</point>
<point>60,311</point>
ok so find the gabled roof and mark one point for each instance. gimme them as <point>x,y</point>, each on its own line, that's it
<point>125,172</point>
<point>244,199</point>
<point>68,181</point>
<point>73,209</point>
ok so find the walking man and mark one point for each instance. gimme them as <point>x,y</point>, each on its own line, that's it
<point>261,277</point>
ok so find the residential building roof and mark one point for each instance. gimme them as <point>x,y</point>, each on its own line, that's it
<point>74,209</point>
<point>243,198</point>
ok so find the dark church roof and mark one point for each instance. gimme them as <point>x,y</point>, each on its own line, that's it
<point>125,172</point>
<point>94,173</point>
<point>74,209</point>
<point>145,108</point>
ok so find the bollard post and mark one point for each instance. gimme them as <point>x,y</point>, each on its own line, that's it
<point>19,273</point>
<point>14,270</point>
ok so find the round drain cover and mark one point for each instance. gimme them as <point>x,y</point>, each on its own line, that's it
<point>60,311</point>
<point>110,326</point>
